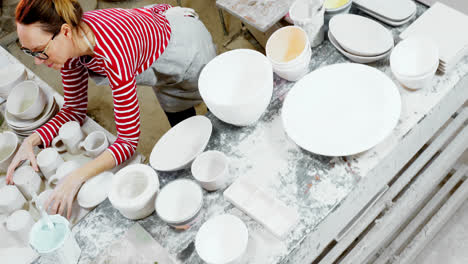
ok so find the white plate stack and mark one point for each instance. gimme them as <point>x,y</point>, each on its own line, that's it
<point>359,38</point>
<point>394,12</point>
<point>447,27</point>
<point>25,127</point>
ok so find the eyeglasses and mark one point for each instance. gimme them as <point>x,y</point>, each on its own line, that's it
<point>39,54</point>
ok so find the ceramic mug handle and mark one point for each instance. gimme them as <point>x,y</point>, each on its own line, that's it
<point>81,145</point>
<point>56,140</point>
<point>53,179</point>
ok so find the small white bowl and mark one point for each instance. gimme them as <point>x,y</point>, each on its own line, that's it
<point>133,191</point>
<point>222,239</point>
<point>26,100</point>
<point>8,146</point>
<point>330,12</point>
<point>414,57</point>
<point>10,76</point>
<point>210,170</point>
<point>179,203</point>
<point>418,82</point>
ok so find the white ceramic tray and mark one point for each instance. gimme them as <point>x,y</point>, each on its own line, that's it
<point>272,213</point>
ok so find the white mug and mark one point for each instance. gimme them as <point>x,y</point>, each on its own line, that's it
<point>11,199</point>
<point>48,161</point>
<point>27,181</point>
<point>62,171</point>
<point>19,224</point>
<point>95,143</point>
<point>70,135</point>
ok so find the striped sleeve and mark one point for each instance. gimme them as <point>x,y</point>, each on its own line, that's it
<point>127,118</point>
<point>75,94</point>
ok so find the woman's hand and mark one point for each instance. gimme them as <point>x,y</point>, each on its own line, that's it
<point>64,193</point>
<point>25,152</point>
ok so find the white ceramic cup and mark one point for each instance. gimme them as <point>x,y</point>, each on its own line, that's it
<point>210,170</point>
<point>70,135</point>
<point>19,224</point>
<point>27,181</point>
<point>62,171</point>
<point>8,146</point>
<point>95,143</point>
<point>48,161</point>
<point>11,199</point>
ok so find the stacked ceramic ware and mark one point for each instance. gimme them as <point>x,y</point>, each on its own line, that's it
<point>393,13</point>
<point>445,26</point>
<point>414,62</point>
<point>360,39</point>
<point>28,108</point>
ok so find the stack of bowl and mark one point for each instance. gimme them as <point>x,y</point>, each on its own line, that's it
<point>350,34</point>
<point>414,62</point>
<point>28,108</point>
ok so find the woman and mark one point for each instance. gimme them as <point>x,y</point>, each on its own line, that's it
<point>158,45</point>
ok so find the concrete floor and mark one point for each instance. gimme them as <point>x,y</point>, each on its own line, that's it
<point>449,246</point>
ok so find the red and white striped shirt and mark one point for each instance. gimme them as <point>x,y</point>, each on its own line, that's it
<point>127,42</point>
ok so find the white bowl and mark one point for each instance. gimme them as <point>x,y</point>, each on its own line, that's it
<point>26,100</point>
<point>133,191</point>
<point>10,76</point>
<point>210,170</point>
<point>330,12</point>
<point>414,57</point>
<point>418,82</point>
<point>179,203</point>
<point>179,146</point>
<point>8,146</point>
<point>222,239</point>
<point>237,86</point>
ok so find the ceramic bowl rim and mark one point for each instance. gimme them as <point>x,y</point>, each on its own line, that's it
<point>14,148</point>
<point>37,94</point>
<point>296,59</point>
<point>198,159</point>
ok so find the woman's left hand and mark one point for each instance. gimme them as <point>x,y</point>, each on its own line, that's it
<point>64,194</point>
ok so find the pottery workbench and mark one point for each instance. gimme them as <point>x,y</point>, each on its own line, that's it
<point>335,197</point>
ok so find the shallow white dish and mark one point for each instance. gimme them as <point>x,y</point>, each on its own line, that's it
<point>222,239</point>
<point>179,203</point>
<point>344,116</point>
<point>418,82</point>
<point>95,190</point>
<point>360,35</point>
<point>394,23</point>
<point>395,10</point>
<point>134,190</point>
<point>179,146</point>
<point>226,80</point>
<point>355,58</point>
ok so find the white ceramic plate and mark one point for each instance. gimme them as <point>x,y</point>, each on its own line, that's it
<point>390,22</point>
<point>355,58</point>
<point>222,239</point>
<point>341,116</point>
<point>395,10</point>
<point>360,35</point>
<point>181,144</point>
<point>95,190</point>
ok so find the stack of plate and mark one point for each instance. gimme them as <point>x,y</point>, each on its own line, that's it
<point>446,26</point>
<point>360,39</point>
<point>394,13</point>
<point>25,128</point>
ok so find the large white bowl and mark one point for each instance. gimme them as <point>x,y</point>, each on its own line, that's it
<point>133,191</point>
<point>179,203</point>
<point>237,86</point>
<point>10,76</point>
<point>26,100</point>
<point>222,239</point>
<point>8,146</point>
<point>180,145</point>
